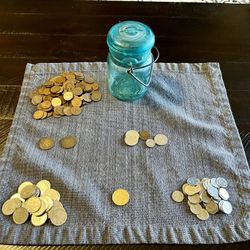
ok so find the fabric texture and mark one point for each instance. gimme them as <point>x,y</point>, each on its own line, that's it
<point>188,103</point>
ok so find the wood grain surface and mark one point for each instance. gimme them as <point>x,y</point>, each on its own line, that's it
<point>58,31</point>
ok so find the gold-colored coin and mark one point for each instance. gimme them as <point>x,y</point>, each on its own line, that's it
<point>22,185</point>
<point>161,139</point>
<point>45,104</point>
<point>150,143</point>
<point>68,95</point>
<point>196,208</point>
<point>88,87</point>
<point>18,196</point>
<point>67,111</point>
<point>56,102</point>
<point>120,197</point>
<point>70,76</point>
<point>95,86</point>
<point>76,110</point>
<point>204,197</point>
<point>10,206</point>
<point>58,79</point>
<point>20,215</point>
<point>33,204</point>
<point>43,185</point>
<point>55,89</point>
<point>195,199</point>
<point>68,142</point>
<point>212,207</point>
<point>177,196</point>
<point>131,137</point>
<point>39,220</point>
<point>42,208</point>
<point>144,135</point>
<point>38,114</point>
<point>48,201</point>
<point>76,102</point>
<point>46,143</point>
<point>191,190</point>
<point>28,191</point>
<point>36,99</point>
<point>183,188</point>
<point>77,91</point>
<point>53,194</point>
<point>96,96</point>
<point>88,78</point>
<point>58,216</point>
<point>203,215</point>
<point>46,91</point>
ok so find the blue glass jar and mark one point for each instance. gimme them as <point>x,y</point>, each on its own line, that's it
<point>130,60</point>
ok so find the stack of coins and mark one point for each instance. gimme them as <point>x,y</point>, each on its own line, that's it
<point>132,137</point>
<point>39,202</point>
<point>204,197</point>
<point>64,94</point>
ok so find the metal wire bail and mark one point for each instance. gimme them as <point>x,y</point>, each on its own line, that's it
<point>131,70</point>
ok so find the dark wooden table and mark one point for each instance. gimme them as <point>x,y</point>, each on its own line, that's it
<point>58,31</point>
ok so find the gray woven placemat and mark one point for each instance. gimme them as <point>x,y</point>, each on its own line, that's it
<point>188,102</point>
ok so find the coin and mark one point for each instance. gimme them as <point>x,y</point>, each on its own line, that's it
<point>10,206</point>
<point>88,78</point>
<point>28,191</point>
<point>204,197</point>
<point>120,197</point>
<point>196,208</point>
<point>33,204</point>
<point>223,193</point>
<point>58,216</point>
<point>131,137</point>
<point>96,96</point>
<point>144,135</point>
<point>177,196</point>
<point>76,110</point>
<point>22,185</point>
<point>183,188</point>
<point>214,182</point>
<point>67,111</point>
<point>76,102</point>
<point>212,207</point>
<point>46,143</point>
<point>53,194</point>
<point>222,182</point>
<point>68,142</point>
<point>36,99</point>
<point>95,86</point>
<point>46,104</point>
<point>38,115</point>
<point>225,207</point>
<point>88,87</point>
<point>20,215</point>
<point>191,190</point>
<point>43,185</point>
<point>48,201</point>
<point>18,196</point>
<point>42,208</point>
<point>212,191</point>
<point>56,102</point>
<point>161,139</point>
<point>39,220</point>
<point>195,199</point>
<point>86,97</point>
<point>68,96</point>
<point>193,181</point>
<point>77,91</point>
<point>150,143</point>
<point>55,89</point>
<point>203,215</point>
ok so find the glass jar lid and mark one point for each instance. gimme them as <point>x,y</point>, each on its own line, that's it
<point>130,37</point>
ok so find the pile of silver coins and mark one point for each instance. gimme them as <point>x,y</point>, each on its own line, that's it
<point>204,197</point>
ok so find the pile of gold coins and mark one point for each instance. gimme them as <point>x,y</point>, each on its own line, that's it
<point>64,94</point>
<point>132,137</point>
<point>39,202</point>
<point>204,197</point>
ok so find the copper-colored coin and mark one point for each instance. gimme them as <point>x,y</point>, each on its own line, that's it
<point>77,91</point>
<point>68,95</point>
<point>68,142</point>
<point>56,102</point>
<point>95,86</point>
<point>144,135</point>
<point>76,102</point>
<point>38,114</point>
<point>96,96</point>
<point>46,143</point>
<point>76,110</point>
<point>36,99</point>
<point>20,215</point>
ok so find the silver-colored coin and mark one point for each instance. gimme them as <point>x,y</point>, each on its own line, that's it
<point>212,191</point>
<point>223,194</point>
<point>214,183</point>
<point>225,207</point>
<point>222,182</point>
<point>193,181</point>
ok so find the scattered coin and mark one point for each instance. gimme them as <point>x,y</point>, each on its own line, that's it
<point>144,135</point>
<point>38,200</point>
<point>120,197</point>
<point>57,96</point>
<point>150,143</point>
<point>46,143</point>
<point>161,139</point>
<point>68,142</point>
<point>177,196</point>
<point>131,137</point>
<point>205,196</point>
